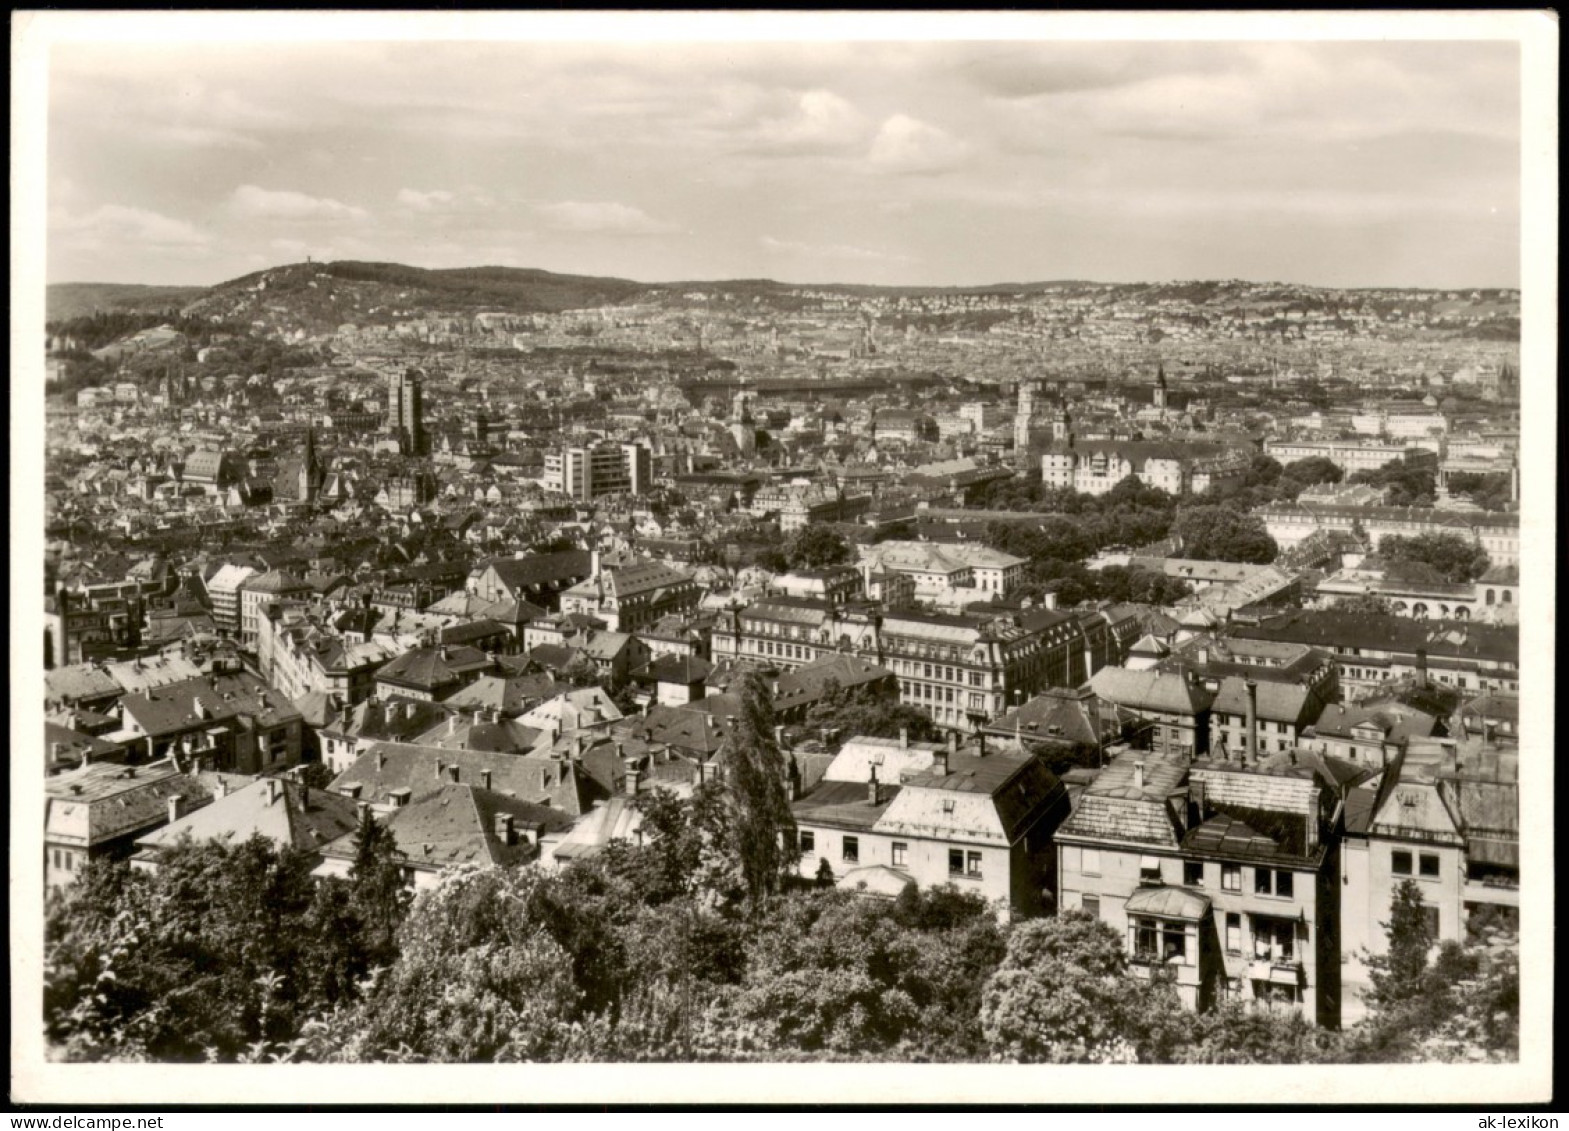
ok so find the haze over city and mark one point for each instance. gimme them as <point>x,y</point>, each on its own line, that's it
<point>1328,163</point>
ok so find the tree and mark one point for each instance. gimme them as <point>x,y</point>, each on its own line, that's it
<point>1063,994</point>
<point>1410,480</point>
<point>477,978</point>
<point>1456,558</point>
<point>1212,533</point>
<point>378,894</point>
<point>816,547</point>
<point>1314,469</point>
<point>755,777</point>
<point>864,712</point>
<point>206,958</point>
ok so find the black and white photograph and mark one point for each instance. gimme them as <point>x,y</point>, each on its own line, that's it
<point>885,558</point>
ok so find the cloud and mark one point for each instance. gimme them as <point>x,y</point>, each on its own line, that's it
<point>200,137</point>
<point>908,145</point>
<point>117,225</point>
<point>601,218</point>
<point>255,203</point>
<point>425,201</point>
<point>820,122</point>
<point>836,251</point>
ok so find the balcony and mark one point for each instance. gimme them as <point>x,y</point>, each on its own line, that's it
<point>1276,971</point>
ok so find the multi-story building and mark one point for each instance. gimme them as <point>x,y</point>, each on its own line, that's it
<point>1350,456</point>
<point>259,591</point>
<point>537,579</point>
<point>1372,650</point>
<point>633,596</point>
<point>223,590</point>
<point>1497,533</point>
<point>230,721</point>
<point>1223,874</point>
<point>791,632</point>
<point>981,821</point>
<point>99,810</point>
<point>964,670</point>
<point>406,413</point>
<point>1094,467</point>
<point>1175,704</point>
<point>588,473</point>
<point>943,568</point>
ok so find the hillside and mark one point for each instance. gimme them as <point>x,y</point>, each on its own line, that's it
<point>77,300</point>
<point>309,299</point>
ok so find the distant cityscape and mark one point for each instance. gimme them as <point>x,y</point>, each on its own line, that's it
<point>1186,612</point>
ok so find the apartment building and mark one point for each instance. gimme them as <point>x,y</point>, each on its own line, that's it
<point>1350,456</point>
<point>1226,875</point>
<point>792,632</point>
<point>632,596</point>
<point>981,820</point>
<point>1497,533</point>
<point>588,473</point>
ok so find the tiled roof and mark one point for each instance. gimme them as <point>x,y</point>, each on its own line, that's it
<point>390,766</point>
<point>103,802</point>
<point>285,812</point>
<point>843,805</point>
<point>455,824</point>
<point>1150,691</point>
<point>1113,808</point>
<point>542,569</point>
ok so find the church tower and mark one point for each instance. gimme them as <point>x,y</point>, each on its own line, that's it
<point>1160,388</point>
<point>310,469</point>
<point>1024,418</point>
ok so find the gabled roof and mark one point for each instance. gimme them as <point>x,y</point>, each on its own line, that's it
<point>390,766</point>
<point>1151,691</point>
<point>455,824</point>
<point>542,569</point>
<point>284,812</point>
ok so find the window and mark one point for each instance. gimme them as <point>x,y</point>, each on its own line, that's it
<point>1400,863</point>
<point>1149,870</point>
<point>1428,863</point>
<point>1285,885</point>
<point>852,849</point>
<point>1091,906</point>
<point>1193,873</point>
<point>1231,877</point>
<point>955,862</point>
<point>1173,942</point>
<point>808,840</point>
<point>1261,882</point>
<point>1145,940</point>
<point>1233,933</point>
<point>972,863</point>
<point>899,849</point>
<point>1430,913</point>
<point>1274,940</point>
<point>1092,861</point>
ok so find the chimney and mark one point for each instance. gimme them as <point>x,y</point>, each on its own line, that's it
<point>1252,722</point>
<point>634,780</point>
<point>981,740</point>
<point>874,793</point>
<point>1421,667</point>
<point>441,768</point>
<point>940,763</point>
<point>360,809</point>
<point>453,772</point>
<point>452,725</point>
<point>778,735</point>
<point>506,830</point>
<point>381,759</point>
<point>273,789</point>
<point>176,808</point>
<point>577,747</point>
<point>1138,774</point>
<point>223,787</point>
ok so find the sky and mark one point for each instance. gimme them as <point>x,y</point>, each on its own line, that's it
<point>1369,163</point>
